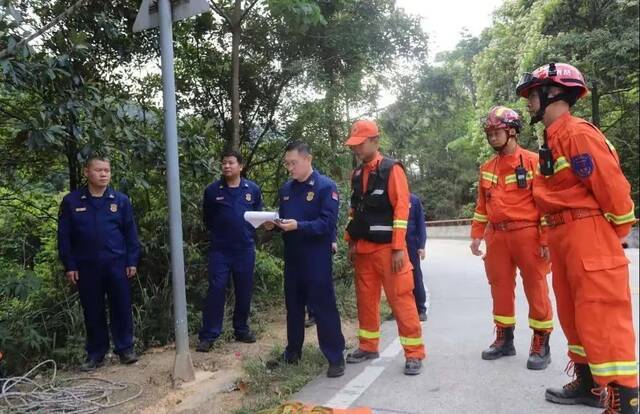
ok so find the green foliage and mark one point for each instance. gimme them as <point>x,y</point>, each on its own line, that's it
<point>307,68</point>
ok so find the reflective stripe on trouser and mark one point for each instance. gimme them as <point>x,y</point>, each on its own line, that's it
<point>591,284</point>
<point>506,251</point>
<point>373,271</point>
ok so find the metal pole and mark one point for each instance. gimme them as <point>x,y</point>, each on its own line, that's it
<point>183,366</point>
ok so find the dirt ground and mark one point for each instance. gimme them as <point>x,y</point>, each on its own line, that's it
<point>218,386</point>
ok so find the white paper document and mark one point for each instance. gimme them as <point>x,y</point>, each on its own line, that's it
<point>257,218</point>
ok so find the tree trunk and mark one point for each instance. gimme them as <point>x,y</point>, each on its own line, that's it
<point>595,104</point>
<point>236,24</point>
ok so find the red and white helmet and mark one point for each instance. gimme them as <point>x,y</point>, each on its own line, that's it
<point>501,117</point>
<point>553,74</point>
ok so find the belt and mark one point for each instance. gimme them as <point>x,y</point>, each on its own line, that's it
<point>513,225</point>
<point>569,215</point>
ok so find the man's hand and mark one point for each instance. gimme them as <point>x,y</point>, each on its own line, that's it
<point>72,276</point>
<point>269,225</point>
<point>475,247</point>
<point>131,271</point>
<point>352,252</point>
<point>334,247</point>
<point>397,260</point>
<point>288,225</point>
<point>544,253</point>
<point>422,254</point>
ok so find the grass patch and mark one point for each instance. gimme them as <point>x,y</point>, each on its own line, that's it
<point>268,388</point>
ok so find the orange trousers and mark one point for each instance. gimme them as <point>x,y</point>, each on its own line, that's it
<point>373,271</point>
<point>591,283</point>
<point>506,251</point>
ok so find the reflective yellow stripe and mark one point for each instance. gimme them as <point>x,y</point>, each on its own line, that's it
<point>480,217</point>
<point>507,320</point>
<point>410,341</point>
<point>608,369</point>
<point>560,164</point>
<point>625,218</point>
<point>510,179</point>
<point>489,177</point>
<point>578,350</point>
<point>543,221</point>
<point>363,333</point>
<point>540,324</point>
<point>399,224</point>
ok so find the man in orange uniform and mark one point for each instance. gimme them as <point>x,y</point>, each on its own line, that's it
<point>513,238</point>
<point>377,246</point>
<point>586,203</point>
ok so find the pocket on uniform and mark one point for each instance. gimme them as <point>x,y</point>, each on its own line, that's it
<point>606,278</point>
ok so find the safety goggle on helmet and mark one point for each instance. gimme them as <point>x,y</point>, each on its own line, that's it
<point>501,117</point>
<point>553,74</point>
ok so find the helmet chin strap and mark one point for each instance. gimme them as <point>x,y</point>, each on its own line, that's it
<point>503,146</point>
<point>545,100</point>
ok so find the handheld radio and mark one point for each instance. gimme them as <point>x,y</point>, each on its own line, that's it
<point>521,174</point>
<point>546,158</point>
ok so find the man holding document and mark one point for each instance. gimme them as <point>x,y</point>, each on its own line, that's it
<point>308,215</point>
<point>232,251</point>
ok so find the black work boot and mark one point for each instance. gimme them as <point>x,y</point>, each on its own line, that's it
<point>128,357</point>
<point>91,364</point>
<point>336,370</point>
<point>577,391</point>
<point>620,400</point>
<point>205,345</point>
<point>283,359</point>
<point>247,337</point>
<point>539,353</point>
<point>359,356</point>
<point>502,346</point>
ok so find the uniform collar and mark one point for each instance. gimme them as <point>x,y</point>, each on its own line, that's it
<point>557,125</point>
<point>108,193</point>
<point>311,181</point>
<point>243,183</point>
<point>515,155</point>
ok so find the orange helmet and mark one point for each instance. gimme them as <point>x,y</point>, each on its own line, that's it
<point>501,117</point>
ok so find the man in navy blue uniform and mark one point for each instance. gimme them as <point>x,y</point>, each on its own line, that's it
<point>98,246</point>
<point>232,251</point>
<point>416,240</point>
<point>309,213</point>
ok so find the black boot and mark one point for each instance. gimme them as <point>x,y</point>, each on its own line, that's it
<point>502,346</point>
<point>577,391</point>
<point>539,353</point>
<point>621,400</point>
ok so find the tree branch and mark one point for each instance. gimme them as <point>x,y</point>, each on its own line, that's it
<point>220,11</point>
<point>43,29</point>
<point>247,10</point>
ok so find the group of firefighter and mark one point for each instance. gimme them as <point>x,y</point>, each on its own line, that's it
<point>565,210</point>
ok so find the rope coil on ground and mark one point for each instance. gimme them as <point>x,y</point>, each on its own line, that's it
<point>79,395</point>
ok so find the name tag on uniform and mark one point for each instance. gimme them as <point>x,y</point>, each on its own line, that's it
<point>78,209</point>
<point>285,198</point>
<point>378,192</point>
<point>219,198</point>
<point>113,208</point>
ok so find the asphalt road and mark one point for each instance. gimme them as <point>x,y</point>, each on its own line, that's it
<point>455,379</point>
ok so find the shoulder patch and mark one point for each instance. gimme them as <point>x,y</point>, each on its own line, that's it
<point>582,165</point>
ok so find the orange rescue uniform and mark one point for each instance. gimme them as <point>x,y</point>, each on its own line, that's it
<point>587,207</point>
<point>513,238</point>
<point>373,271</point>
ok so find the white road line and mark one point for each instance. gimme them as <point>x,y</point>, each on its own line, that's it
<point>358,385</point>
<point>392,350</point>
<point>354,389</point>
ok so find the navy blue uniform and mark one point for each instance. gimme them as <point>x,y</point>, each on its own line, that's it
<point>308,263</point>
<point>416,239</point>
<point>97,237</point>
<point>232,253</point>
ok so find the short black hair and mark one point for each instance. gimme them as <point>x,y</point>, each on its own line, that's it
<point>96,157</point>
<point>233,153</point>
<point>301,147</point>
